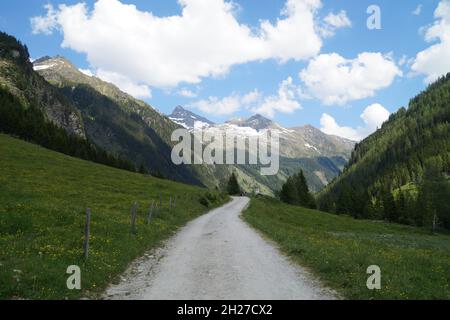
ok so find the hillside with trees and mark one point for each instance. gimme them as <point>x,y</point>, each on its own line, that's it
<point>400,173</point>
<point>296,192</point>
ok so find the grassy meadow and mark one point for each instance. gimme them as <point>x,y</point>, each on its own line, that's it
<point>338,249</point>
<point>43,199</point>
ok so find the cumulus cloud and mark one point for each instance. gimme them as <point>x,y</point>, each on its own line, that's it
<point>373,117</point>
<point>205,40</point>
<point>334,21</point>
<point>87,72</point>
<point>45,24</point>
<point>336,80</point>
<point>434,61</point>
<point>218,106</point>
<point>125,84</point>
<point>418,10</point>
<point>285,101</point>
<point>187,93</point>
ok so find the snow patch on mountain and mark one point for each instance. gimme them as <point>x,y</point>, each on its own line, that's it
<point>312,147</point>
<point>43,67</point>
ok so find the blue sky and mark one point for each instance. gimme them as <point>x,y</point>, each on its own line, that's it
<point>224,87</point>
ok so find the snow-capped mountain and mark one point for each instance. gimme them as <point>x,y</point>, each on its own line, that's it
<point>188,119</point>
<point>257,122</point>
<point>306,141</point>
<point>319,155</point>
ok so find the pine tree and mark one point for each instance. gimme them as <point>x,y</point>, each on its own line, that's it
<point>434,193</point>
<point>296,192</point>
<point>289,193</point>
<point>305,198</point>
<point>390,209</point>
<point>233,186</point>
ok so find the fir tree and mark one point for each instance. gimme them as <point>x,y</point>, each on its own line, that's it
<point>233,187</point>
<point>289,193</point>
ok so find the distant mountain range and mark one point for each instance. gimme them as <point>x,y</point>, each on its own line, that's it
<point>321,156</point>
<point>116,122</point>
<point>306,141</point>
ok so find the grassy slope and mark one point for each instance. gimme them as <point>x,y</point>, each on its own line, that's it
<point>43,197</point>
<point>414,264</point>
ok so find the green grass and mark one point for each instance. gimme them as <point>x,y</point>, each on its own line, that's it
<point>414,264</point>
<point>43,198</point>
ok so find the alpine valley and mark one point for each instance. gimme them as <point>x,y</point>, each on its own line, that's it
<point>128,128</point>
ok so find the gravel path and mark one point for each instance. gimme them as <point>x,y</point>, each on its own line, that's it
<point>217,256</point>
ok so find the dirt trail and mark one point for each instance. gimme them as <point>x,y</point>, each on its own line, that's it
<point>217,256</point>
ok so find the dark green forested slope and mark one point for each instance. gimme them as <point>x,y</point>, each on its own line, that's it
<point>400,173</point>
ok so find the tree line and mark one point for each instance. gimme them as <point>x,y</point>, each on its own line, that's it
<point>400,173</point>
<point>31,125</point>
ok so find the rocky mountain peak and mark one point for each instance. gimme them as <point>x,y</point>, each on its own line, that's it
<point>188,119</point>
<point>257,122</point>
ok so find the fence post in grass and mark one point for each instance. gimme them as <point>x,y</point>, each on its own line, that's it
<point>160,200</point>
<point>133,218</point>
<point>87,234</point>
<point>170,203</point>
<point>150,212</point>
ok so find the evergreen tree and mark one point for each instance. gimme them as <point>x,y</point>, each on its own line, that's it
<point>390,209</point>
<point>233,187</point>
<point>433,202</point>
<point>304,197</point>
<point>289,193</point>
<point>296,191</point>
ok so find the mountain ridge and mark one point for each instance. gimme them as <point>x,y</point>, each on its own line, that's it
<point>391,173</point>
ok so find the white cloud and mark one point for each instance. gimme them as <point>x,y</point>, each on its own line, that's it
<point>334,21</point>
<point>187,93</point>
<point>45,24</point>
<point>336,80</point>
<point>251,97</point>
<point>204,40</point>
<point>125,84</point>
<point>217,106</point>
<point>373,117</point>
<point>87,72</point>
<point>418,10</point>
<point>285,101</point>
<point>435,60</point>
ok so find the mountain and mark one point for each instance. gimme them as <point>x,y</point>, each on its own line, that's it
<point>116,121</point>
<point>187,119</point>
<point>62,73</point>
<point>400,172</point>
<point>321,156</point>
<point>256,122</point>
<point>88,108</point>
<point>18,78</point>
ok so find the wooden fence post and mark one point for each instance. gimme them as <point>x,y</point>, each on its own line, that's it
<point>160,200</point>
<point>133,218</point>
<point>87,234</point>
<point>170,203</point>
<point>150,212</point>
